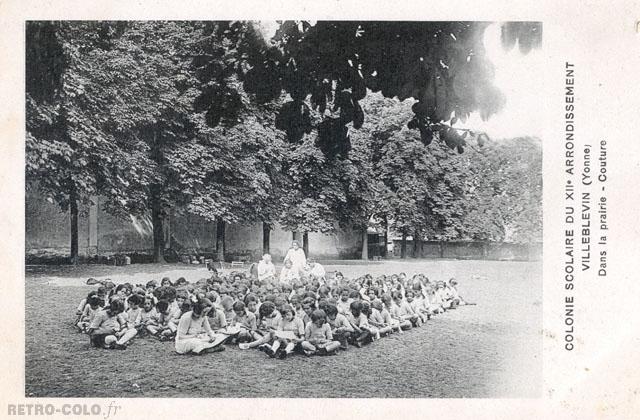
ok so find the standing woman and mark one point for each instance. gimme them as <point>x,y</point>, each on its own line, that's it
<point>297,257</point>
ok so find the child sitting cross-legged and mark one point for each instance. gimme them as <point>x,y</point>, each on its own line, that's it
<point>92,307</point>
<point>217,318</point>
<point>291,325</point>
<point>105,324</point>
<point>130,322</point>
<point>194,334</point>
<point>269,320</point>
<point>246,322</point>
<point>392,310</point>
<point>82,306</point>
<point>418,303</point>
<point>340,325</point>
<point>406,310</point>
<point>148,315</point>
<point>318,336</point>
<point>453,287</point>
<point>380,318</point>
<point>165,327</point>
<point>360,324</point>
<point>367,311</point>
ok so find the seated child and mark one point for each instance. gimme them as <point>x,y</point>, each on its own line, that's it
<point>226,302</point>
<point>453,286</point>
<point>148,315</point>
<point>366,311</point>
<point>182,295</point>
<point>121,292</point>
<point>372,294</point>
<point>344,303</point>
<point>406,310</point>
<point>418,304</point>
<point>394,313</point>
<point>289,274</point>
<point>296,303</point>
<point>194,334</point>
<point>165,327</point>
<point>324,292</point>
<point>279,301</point>
<point>441,297</point>
<point>83,304</point>
<point>432,301</point>
<point>378,320</point>
<point>130,322</point>
<point>360,324</point>
<point>340,326</point>
<point>108,287</point>
<point>251,302</point>
<point>151,286</point>
<point>94,303</point>
<point>217,319</point>
<point>288,323</point>
<point>246,322</point>
<point>308,306</point>
<point>105,324</point>
<point>318,336</point>
<point>269,320</point>
<point>338,279</point>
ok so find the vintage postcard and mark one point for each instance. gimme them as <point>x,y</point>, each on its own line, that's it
<point>320,209</point>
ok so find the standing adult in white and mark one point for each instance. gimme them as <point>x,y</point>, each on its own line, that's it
<point>297,257</point>
<point>266,269</point>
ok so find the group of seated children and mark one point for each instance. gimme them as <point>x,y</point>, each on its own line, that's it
<point>312,315</point>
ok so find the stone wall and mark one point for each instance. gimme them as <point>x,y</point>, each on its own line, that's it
<point>48,230</point>
<point>472,250</point>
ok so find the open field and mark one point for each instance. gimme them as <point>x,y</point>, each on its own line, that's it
<point>493,349</point>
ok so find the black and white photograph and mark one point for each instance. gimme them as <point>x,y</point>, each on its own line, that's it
<point>283,209</point>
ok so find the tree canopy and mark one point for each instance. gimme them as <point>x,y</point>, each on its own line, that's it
<point>324,125</point>
<point>329,67</point>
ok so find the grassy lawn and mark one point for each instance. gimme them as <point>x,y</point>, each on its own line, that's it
<point>493,349</point>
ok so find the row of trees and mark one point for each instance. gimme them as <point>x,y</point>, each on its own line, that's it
<point>213,119</point>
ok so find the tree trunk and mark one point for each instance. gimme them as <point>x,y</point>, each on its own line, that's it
<point>305,244</point>
<point>220,243</point>
<point>386,237</point>
<point>73,210</point>
<point>266,233</point>
<point>403,249</point>
<point>415,251</point>
<point>365,245</point>
<point>157,220</point>
<point>157,215</point>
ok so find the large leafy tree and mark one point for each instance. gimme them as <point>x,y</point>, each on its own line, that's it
<point>233,174</point>
<point>326,194</point>
<point>491,192</point>
<point>136,91</point>
<point>68,155</point>
<point>505,198</point>
<point>212,150</point>
<point>130,103</point>
<point>330,66</point>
